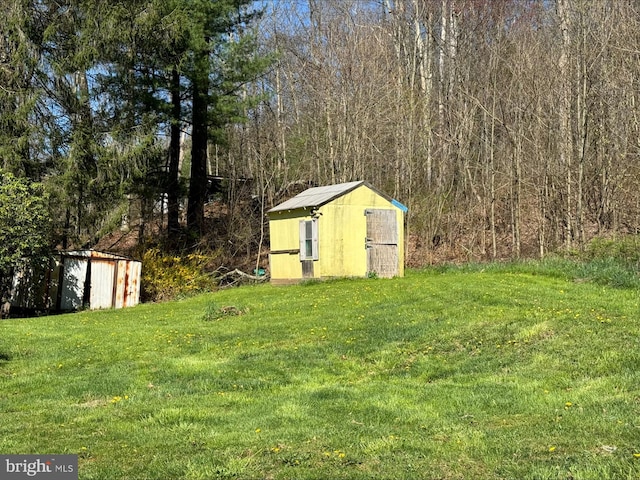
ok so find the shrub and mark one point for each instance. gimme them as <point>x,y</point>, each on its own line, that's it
<point>167,277</point>
<point>624,250</point>
<point>25,223</point>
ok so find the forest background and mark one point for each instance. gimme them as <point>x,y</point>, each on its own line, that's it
<point>510,128</point>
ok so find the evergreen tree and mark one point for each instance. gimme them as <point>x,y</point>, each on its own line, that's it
<point>18,93</point>
<point>180,63</point>
<point>218,59</point>
<point>224,60</point>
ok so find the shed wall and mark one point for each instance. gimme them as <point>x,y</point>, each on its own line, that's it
<point>102,280</point>
<point>127,284</point>
<point>74,274</point>
<point>80,279</point>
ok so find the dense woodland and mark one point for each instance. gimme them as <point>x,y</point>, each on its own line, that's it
<point>510,128</point>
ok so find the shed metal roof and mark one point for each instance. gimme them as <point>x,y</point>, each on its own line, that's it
<point>316,196</point>
<point>94,254</point>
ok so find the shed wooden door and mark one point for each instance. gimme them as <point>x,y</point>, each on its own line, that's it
<point>382,242</point>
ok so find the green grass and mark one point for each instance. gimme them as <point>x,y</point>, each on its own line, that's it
<point>495,373</point>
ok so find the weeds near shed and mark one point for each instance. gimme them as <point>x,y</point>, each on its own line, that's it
<point>213,312</point>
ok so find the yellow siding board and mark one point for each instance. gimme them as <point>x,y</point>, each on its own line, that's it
<point>285,266</point>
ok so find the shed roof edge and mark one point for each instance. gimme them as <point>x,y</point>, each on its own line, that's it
<point>355,185</point>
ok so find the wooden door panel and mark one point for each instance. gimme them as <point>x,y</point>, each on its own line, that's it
<point>382,242</point>
<point>381,226</point>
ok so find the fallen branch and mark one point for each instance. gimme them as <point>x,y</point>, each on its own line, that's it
<point>237,277</point>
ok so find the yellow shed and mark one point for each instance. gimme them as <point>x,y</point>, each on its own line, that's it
<point>345,230</point>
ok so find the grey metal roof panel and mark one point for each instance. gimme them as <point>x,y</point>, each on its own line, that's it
<point>316,196</point>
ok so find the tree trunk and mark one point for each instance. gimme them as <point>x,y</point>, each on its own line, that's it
<point>199,139</point>
<point>564,112</point>
<point>424,45</point>
<point>583,116</point>
<point>173,209</point>
<point>516,190</point>
<point>492,170</point>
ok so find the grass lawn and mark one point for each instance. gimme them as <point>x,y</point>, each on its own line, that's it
<point>496,374</point>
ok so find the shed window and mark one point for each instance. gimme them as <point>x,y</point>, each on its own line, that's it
<point>309,239</point>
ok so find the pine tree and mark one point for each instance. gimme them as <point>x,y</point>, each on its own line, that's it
<point>18,92</point>
<point>181,63</point>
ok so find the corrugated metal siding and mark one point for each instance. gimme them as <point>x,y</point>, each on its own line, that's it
<point>132,284</point>
<point>127,292</point>
<point>119,285</point>
<point>73,279</point>
<point>102,280</point>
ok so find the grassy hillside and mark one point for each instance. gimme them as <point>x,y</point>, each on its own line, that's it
<point>439,375</point>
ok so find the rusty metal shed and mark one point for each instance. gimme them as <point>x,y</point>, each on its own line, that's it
<point>79,279</point>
